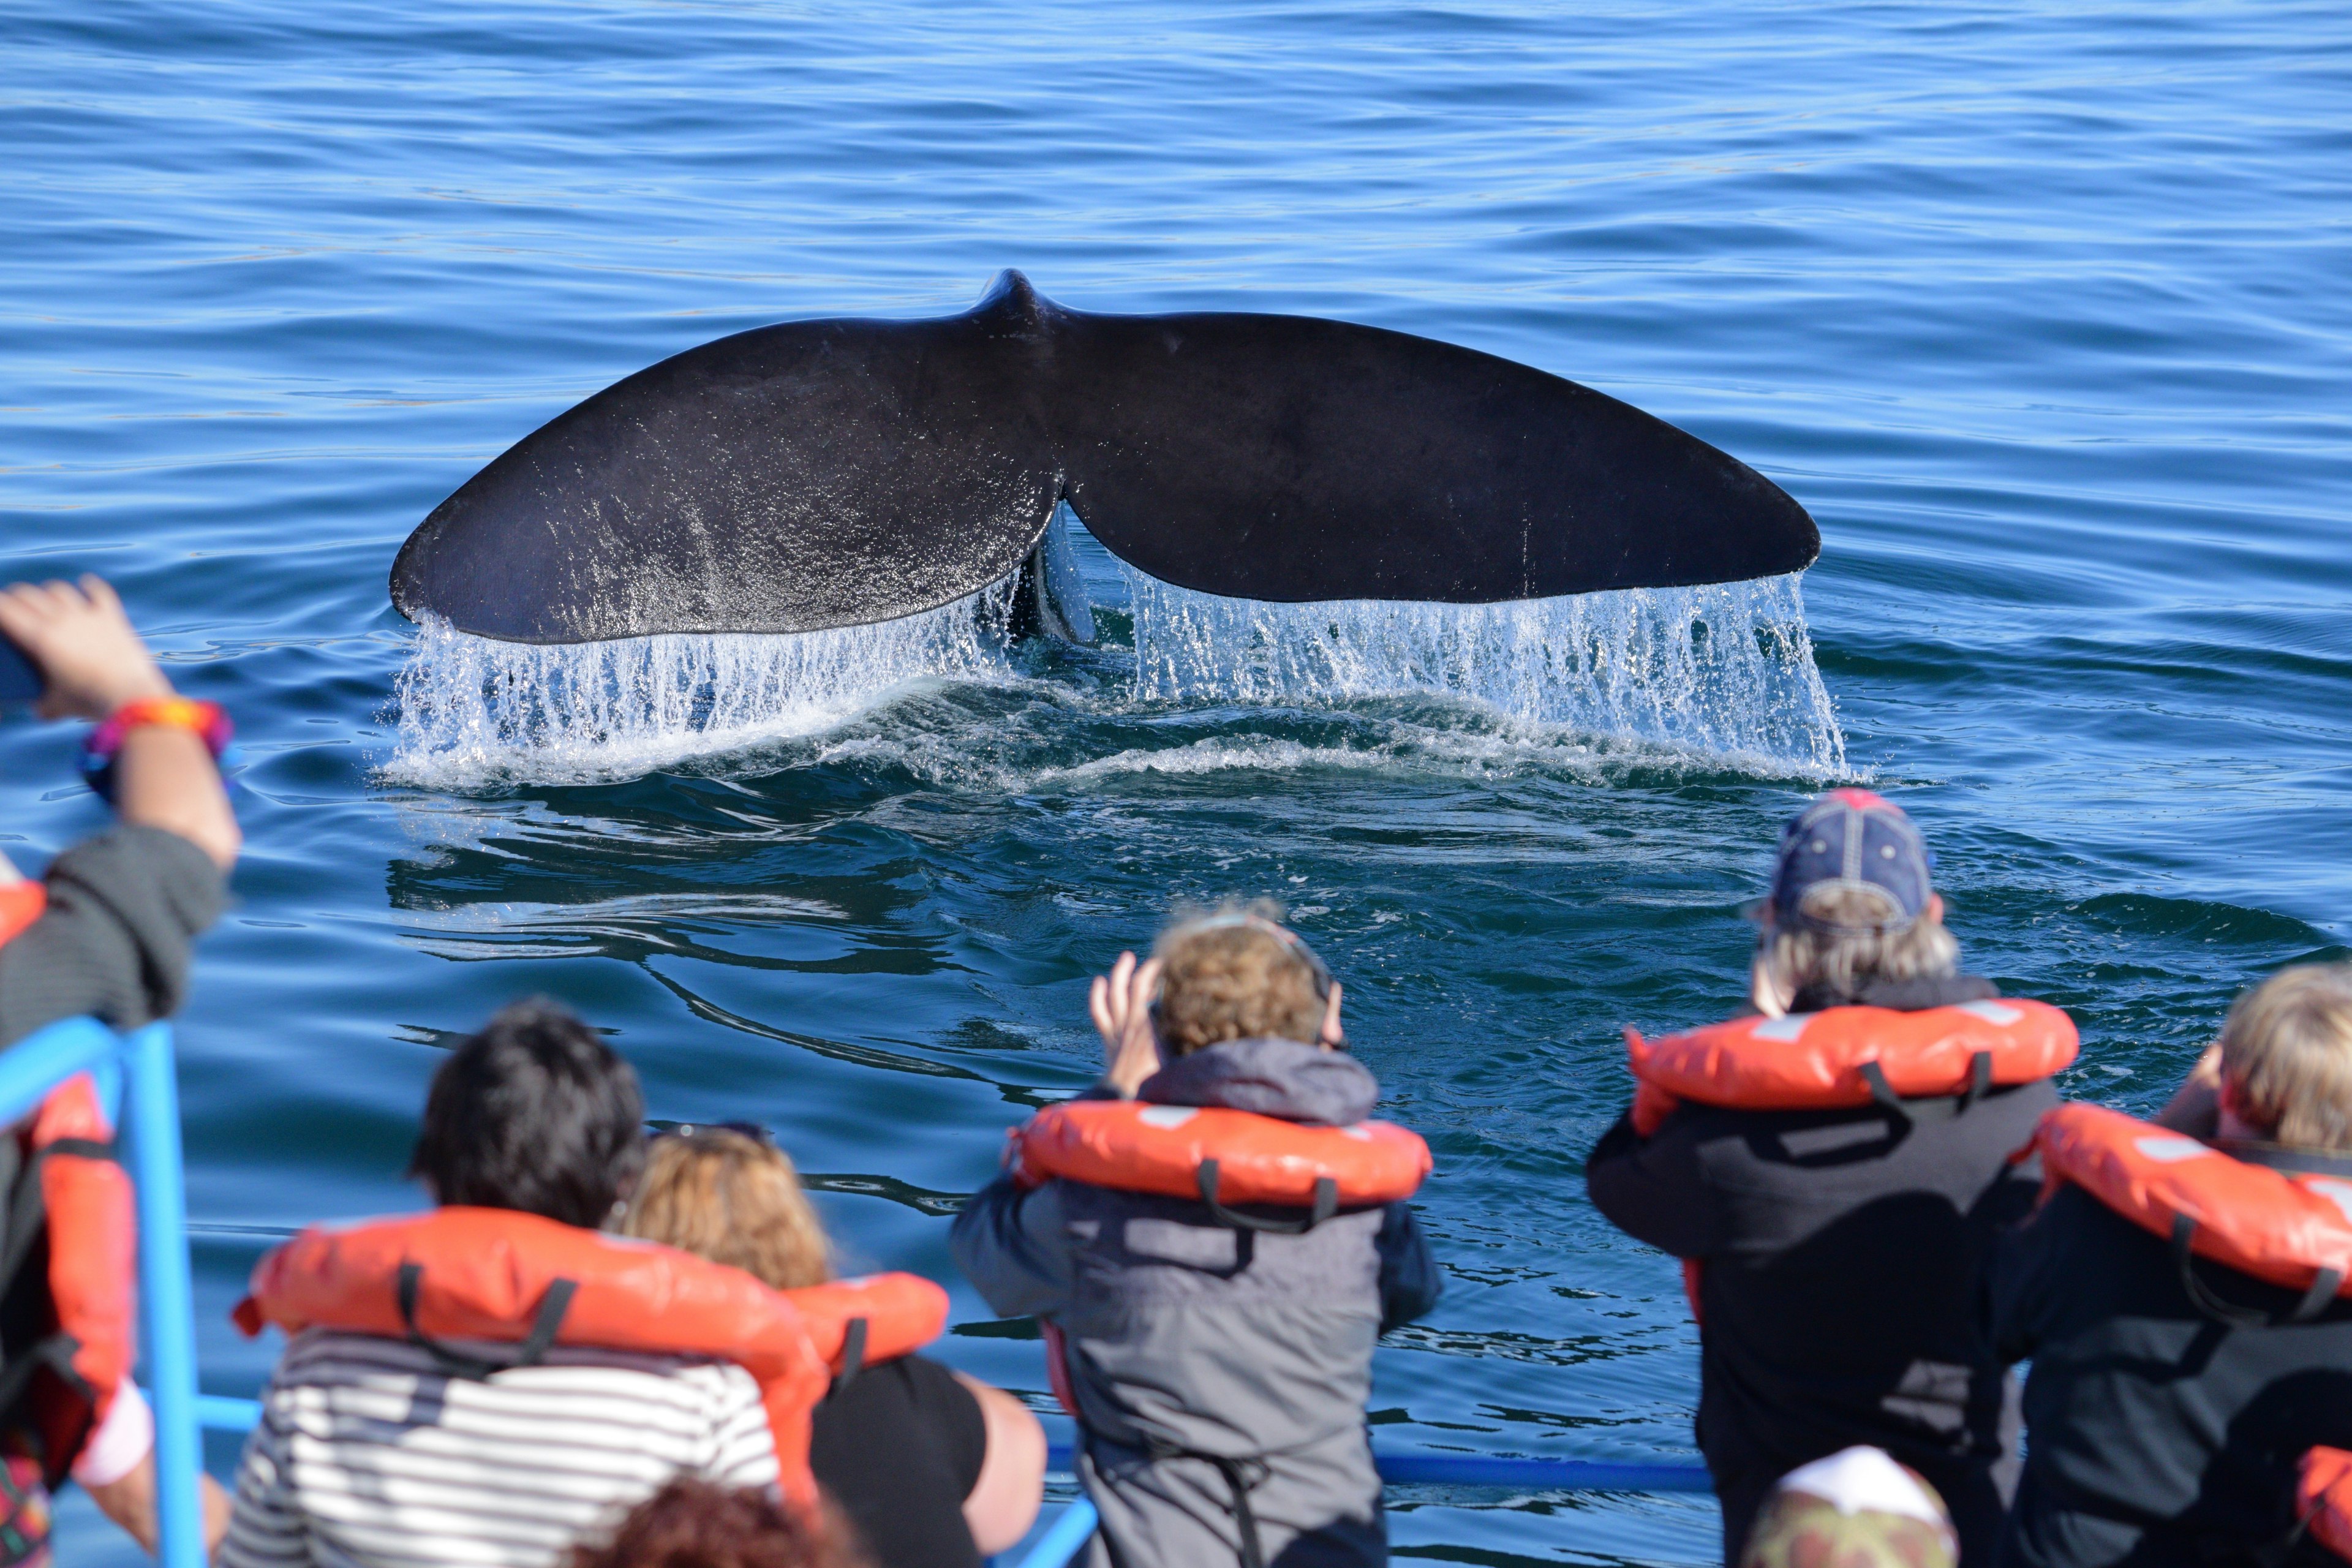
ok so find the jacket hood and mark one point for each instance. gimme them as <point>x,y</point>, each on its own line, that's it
<point>1271,1077</point>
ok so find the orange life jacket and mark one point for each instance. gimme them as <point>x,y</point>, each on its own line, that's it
<point>1218,1156</point>
<point>2290,1230</point>
<point>64,1383</point>
<point>1848,1056</point>
<point>2324,1499</point>
<point>504,1277</point>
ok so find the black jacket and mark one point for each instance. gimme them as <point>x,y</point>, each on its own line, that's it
<point>1840,1252</point>
<point>2159,1436</point>
<point>125,907</point>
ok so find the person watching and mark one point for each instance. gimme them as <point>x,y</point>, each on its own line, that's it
<point>2172,1398</point>
<point>1218,1363</point>
<point>376,1451</point>
<point>108,932</point>
<point>1831,1251</point>
<point>933,1468</point>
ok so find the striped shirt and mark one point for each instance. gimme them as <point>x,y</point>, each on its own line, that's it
<point>367,1456</point>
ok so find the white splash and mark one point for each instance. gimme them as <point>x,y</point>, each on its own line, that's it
<point>1726,670</point>
<point>476,711</point>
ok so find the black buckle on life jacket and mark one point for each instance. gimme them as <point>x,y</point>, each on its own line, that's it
<point>852,1354</point>
<point>1327,1204</point>
<point>530,1353</point>
<point>2205,1299</point>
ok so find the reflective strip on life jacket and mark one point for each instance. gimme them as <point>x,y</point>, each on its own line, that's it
<point>1220,1156</point>
<point>507,1277</point>
<point>2324,1499</point>
<point>2290,1230</point>
<point>1846,1057</point>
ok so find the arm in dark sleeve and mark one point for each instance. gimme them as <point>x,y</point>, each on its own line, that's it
<point>2021,1275</point>
<point>1014,1247</point>
<point>124,910</point>
<point>1409,1280</point>
<point>1653,1189</point>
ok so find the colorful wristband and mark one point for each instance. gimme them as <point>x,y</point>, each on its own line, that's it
<point>205,720</point>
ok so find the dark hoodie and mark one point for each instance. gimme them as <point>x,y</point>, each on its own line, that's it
<point>1185,1341</point>
<point>1840,1252</point>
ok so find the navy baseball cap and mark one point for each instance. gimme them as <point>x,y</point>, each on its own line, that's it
<point>1850,840</point>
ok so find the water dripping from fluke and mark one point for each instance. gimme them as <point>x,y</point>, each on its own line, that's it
<point>1724,675</point>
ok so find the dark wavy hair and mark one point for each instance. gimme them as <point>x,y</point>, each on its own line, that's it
<point>693,1524</point>
<point>533,1112</point>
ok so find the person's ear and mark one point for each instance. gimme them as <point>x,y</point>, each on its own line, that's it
<point>1331,1037</point>
<point>1934,911</point>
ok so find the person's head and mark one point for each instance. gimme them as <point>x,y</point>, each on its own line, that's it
<point>690,1523</point>
<point>1857,1508</point>
<point>733,1199</point>
<point>1851,902</point>
<point>2286,1057</point>
<point>1238,975</point>
<point>533,1112</point>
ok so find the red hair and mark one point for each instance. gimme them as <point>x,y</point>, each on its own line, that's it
<point>693,1524</point>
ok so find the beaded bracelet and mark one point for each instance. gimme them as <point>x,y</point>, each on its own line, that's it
<point>205,720</point>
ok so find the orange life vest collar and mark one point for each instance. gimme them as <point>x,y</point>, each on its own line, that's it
<point>21,904</point>
<point>1849,1057</point>
<point>503,1277</point>
<point>1219,1157</point>
<point>90,1214</point>
<point>2290,1230</point>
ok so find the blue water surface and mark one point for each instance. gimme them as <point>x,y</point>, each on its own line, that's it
<point>2040,309</point>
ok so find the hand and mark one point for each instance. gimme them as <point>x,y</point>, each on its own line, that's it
<point>1331,1037</point>
<point>2195,1106</point>
<point>1120,1002</point>
<point>92,662</point>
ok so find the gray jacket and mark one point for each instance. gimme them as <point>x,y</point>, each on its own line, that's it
<point>1204,1358</point>
<point>125,907</point>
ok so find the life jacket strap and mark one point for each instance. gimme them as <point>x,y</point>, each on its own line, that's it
<point>1239,1484</point>
<point>28,1214</point>
<point>530,1353</point>
<point>1327,1204</point>
<point>852,1353</point>
<point>2202,1296</point>
<point>1883,1093</point>
<point>1979,1078</point>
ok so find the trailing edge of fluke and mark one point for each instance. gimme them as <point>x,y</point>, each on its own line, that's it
<point>835,473</point>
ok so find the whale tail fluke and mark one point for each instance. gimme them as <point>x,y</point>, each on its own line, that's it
<point>830,473</point>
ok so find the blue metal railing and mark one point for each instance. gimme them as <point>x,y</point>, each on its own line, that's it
<point>136,1068</point>
<point>1074,1525</point>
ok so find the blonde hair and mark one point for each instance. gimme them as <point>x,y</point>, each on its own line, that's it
<point>733,1200</point>
<point>1844,961</point>
<point>2286,1054</point>
<point>1225,980</point>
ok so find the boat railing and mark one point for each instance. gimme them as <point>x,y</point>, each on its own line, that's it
<point>139,1088</point>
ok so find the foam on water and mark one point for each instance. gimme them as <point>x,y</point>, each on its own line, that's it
<point>1725,672</point>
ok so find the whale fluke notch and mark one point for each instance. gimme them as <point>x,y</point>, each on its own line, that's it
<point>839,472</point>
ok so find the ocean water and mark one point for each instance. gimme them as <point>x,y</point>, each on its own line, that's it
<point>2040,309</point>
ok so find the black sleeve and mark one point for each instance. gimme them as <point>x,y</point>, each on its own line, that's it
<point>2020,1273</point>
<point>900,1448</point>
<point>124,910</point>
<point>1410,1281</point>
<point>1654,1188</point>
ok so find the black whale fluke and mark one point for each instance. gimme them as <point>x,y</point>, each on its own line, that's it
<point>834,473</point>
